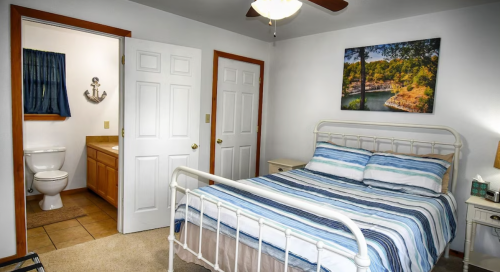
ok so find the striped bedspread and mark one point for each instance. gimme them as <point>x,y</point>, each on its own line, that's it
<point>404,232</point>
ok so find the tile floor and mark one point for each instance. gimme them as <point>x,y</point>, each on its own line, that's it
<point>99,222</point>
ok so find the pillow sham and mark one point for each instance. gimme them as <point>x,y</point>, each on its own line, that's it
<point>446,157</point>
<point>341,161</point>
<point>406,171</point>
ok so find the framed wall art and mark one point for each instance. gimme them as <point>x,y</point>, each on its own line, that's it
<point>391,77</point>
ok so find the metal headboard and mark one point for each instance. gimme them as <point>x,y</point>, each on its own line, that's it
<point>457,145</point>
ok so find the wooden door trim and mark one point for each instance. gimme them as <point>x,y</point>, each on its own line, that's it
<point>215,77</point>
<point>16,14</point>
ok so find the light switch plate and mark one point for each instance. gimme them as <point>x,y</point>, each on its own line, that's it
<point>207,118</point>
<point>106,124</point>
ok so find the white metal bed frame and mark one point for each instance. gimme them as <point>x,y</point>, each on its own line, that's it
<point>361,259</point>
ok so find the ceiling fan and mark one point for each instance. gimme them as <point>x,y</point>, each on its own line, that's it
<point>333,5</point>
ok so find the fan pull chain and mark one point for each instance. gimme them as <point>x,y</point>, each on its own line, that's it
<point>275,28</point>
<point>271,23</point>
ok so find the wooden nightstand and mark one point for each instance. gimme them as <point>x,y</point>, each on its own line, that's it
<point>484,212</point>
<point>282,165</point>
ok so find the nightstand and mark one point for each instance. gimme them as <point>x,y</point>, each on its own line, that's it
<point>484,212</point>
<point>282,165</point>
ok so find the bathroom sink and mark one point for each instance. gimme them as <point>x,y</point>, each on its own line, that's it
<point>115,147</point>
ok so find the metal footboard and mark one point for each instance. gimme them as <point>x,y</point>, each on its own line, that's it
<point>361,259</point>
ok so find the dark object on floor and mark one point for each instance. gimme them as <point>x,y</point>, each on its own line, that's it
<point>53,216</point>
<point>37,264</point>
<point>454,264</point>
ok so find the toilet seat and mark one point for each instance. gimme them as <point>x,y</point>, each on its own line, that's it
<point>51,175</point>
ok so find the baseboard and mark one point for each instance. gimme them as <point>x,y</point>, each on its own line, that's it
<point>67,192</point>
<point>456,253</point>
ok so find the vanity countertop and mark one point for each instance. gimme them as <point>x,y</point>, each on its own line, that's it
<point>105,147</point>
<point>103,144</point>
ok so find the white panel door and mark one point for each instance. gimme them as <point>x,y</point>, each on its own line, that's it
<point>162,111</point>
<point>237,119</point>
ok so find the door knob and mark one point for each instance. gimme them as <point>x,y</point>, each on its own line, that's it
<point>219,141</point>
<point>194,146</point>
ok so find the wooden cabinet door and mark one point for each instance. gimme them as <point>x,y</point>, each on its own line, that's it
<point>102,180</point>
<point>112,177</point>
<point>91,174</point>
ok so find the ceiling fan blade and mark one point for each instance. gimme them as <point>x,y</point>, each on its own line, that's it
<point>252,12</point>
<point>333,5</point>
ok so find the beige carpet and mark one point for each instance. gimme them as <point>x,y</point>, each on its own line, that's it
<point>145,251</point>
<point>44,218</point>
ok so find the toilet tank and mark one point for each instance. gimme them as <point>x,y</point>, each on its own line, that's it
<point>44,158</point>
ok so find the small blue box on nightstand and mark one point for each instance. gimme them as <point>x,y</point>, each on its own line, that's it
<point>479,188</point>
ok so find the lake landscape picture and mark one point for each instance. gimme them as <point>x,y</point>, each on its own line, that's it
<point>391,77</point>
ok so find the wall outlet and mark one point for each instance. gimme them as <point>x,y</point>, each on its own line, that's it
<point>106,124</point>
<point>207,118</point>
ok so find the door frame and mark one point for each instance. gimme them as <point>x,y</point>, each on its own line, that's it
<point>221,54</point>
<point>16,15</point>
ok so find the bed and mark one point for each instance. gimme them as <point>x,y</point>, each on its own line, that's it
<point>305,220</point>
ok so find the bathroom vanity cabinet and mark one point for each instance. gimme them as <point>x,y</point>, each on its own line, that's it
<point>102,170</point>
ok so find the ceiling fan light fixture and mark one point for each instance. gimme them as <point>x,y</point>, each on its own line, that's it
<point>276,9</point>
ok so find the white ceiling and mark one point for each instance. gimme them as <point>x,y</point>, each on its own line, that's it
<point>311,19</point>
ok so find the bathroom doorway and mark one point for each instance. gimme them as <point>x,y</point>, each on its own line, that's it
<point>92,59</point>
<point>71,168</point>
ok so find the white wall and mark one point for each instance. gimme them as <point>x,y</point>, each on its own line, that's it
<point>145,23</point>
<point>87,56</point>
<point>307,79</point>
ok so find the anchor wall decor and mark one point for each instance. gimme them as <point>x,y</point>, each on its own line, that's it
<point>95,91</point>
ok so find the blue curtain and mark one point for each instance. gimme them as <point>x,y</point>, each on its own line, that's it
<point>44,83</point>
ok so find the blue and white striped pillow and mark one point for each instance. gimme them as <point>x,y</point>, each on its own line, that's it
<point>407,171</point>
<point>339,161</point>
<point>407,189</point>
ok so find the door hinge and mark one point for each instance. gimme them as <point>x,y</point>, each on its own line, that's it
<point>123,59</point>
<point>123,132</point>
<point>257,129</point>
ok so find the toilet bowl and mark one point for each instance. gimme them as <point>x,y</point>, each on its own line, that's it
<point>48,179</point>
<point>50,184</point>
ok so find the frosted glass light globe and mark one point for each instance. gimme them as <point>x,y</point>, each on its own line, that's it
<point>276,9</point>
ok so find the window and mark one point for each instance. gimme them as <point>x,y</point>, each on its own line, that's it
<point>44,83</point>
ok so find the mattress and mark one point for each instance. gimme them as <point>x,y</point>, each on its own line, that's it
<point>404,232</point>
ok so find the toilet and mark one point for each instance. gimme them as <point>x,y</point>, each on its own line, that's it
<point>49,180</point>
